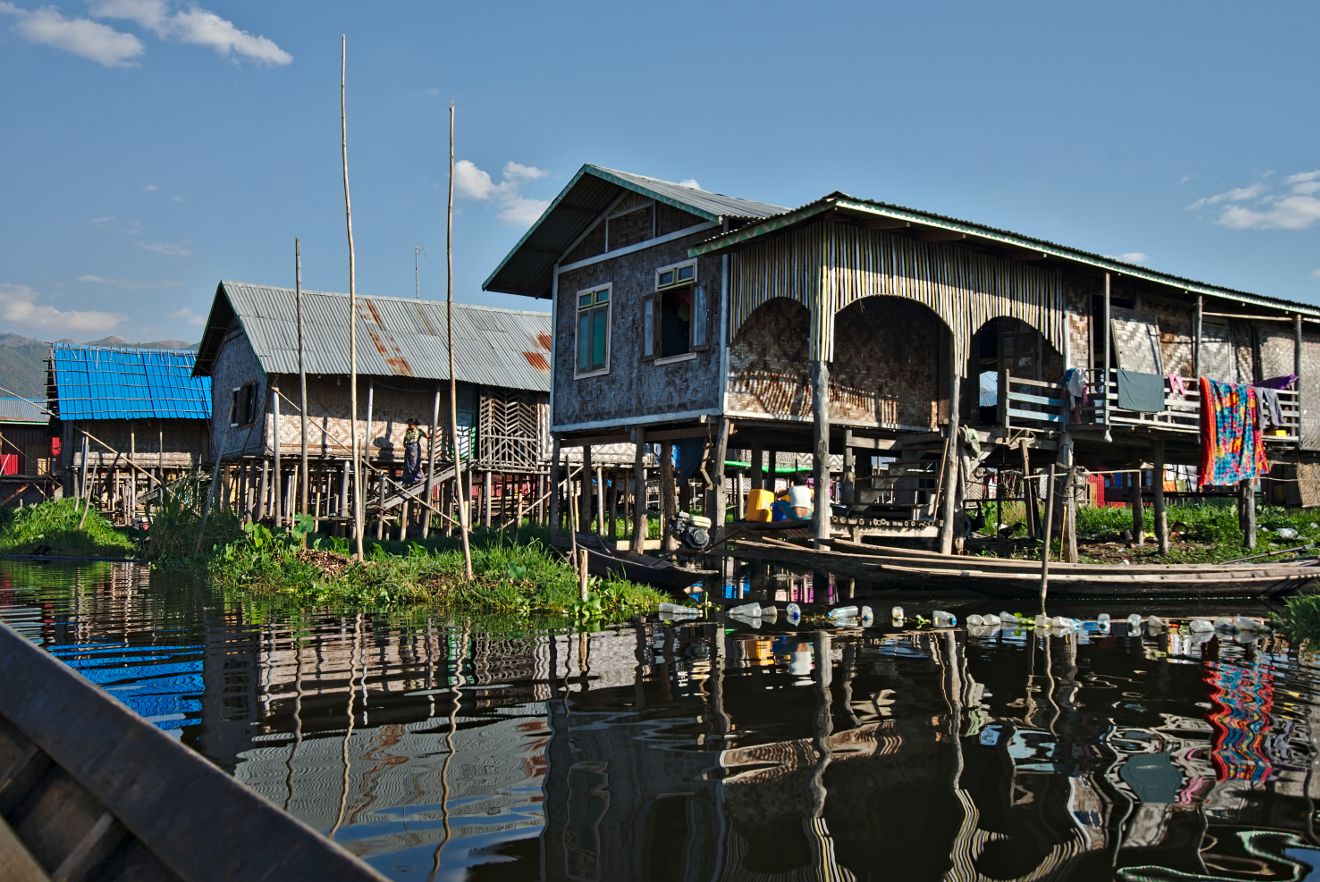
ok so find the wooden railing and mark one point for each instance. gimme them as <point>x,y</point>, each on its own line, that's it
<point>1034,404</point>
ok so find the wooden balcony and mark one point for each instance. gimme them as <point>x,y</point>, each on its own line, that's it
<point>1043,406</point>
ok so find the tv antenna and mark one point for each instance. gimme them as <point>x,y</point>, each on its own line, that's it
<point>418,251</point>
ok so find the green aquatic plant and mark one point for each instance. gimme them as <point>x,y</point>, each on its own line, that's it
<point>63,528</point>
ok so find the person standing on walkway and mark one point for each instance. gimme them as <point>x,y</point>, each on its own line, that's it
<point>412,452</point>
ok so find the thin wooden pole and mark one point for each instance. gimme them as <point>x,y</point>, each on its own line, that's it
<point>948,492</point>
<point>1138,508</point>
<point>639,525</point>
<point>1161,516</point>
<point>453,381</point>
<point>303,482</point>
<point>820,459</point>
<point>1045,549</point>
<point>1247,495</point>
<point>430,462</point>
<point>277,493</point>
<point>555,510</point>
<point>1104,377</point>
<point>1196,339</point>
<point>358,501</point>
<point>668,496</point>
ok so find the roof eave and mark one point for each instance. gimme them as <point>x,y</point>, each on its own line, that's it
<point>837,202</point>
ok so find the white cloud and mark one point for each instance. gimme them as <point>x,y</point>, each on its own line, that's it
<point>195,26</point>
<point>471,182</point>
<point>690,183</point>
<point>1315,273</point>
<point>81,36</point>
<point>151,188</point>
<point>1237,194</point>
<point>169,249</point>
<point>19,306</point>
<point>188,316</point>
<point>1132,257</point>
<point>127,284</point>
<point>1292,205</point>
<point>118,225</point>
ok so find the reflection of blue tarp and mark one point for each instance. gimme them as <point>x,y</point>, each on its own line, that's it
<point>158,683</point>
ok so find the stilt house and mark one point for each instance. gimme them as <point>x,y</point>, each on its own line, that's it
<point>128,421</point>
<point>930,352</point>
<point>250,349</point>
<point>26,468</point>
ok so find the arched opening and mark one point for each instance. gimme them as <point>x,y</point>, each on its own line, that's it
<point>1004,344</point>
<point>768,368</point>
<point>890,365</point>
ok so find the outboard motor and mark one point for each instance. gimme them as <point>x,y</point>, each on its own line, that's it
<point>692,531</point>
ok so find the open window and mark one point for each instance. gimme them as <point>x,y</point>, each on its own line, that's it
<point>593,331</point>
<point>675,319</point>
<point>243,405</point>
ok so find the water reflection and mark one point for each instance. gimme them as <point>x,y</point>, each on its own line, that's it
<point>654,751</point>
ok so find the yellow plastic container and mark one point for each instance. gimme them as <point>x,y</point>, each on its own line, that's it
<point>758,505</point>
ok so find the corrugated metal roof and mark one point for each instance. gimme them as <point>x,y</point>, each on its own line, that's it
<point>396,338</point>
<point>95,383</point>
<point>20,410</point>
<point>839,201</point>
<point>528,267</point>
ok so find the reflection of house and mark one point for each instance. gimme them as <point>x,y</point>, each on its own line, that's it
<point>250,349</point>
<point>26,459</point>
<point>129,421</point>
<point>857,327</point>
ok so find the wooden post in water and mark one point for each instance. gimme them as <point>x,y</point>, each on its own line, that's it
<point>949,490</point>
<point>430,463</point>
<point>1247,495</point>
<point>453,380</point>
<point>358,500</point>
<point>1045,548</point>
<point>639,525</point>
<point>304,482</point>
<point>820,450</point>
<point>585,498</point>
<point>1161,516</point>
<point>1138,508</point>
<point>555,478</point>
<point>668,496</point>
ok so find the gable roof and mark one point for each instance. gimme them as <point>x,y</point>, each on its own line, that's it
<point>396,338</point>
<point>843,203</point>
<point>527,269</point>
<point>103,383</point>
<point>20,410</point>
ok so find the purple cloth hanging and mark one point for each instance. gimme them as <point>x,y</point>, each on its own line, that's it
<point>1284,382</point>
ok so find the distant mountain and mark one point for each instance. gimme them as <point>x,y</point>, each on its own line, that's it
<point>23,361</point>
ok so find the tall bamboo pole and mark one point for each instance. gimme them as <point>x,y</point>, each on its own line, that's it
<point>352,305</point>
<point>459,490</point>
<point>302,380</point>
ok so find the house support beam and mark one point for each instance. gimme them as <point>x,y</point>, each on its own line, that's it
<point>1161,515</point>
<point>639,491</point>
<point>949,490</point>
<point>820,458</point>
<point>668,496</point>
<point>1138,511</point>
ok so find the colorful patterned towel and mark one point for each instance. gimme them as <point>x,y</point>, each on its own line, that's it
<point>1232,449</point>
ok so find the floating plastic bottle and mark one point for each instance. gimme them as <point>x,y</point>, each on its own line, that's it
<point>770,614</point>
<point>990,620</point>
<point>1200,626</point>
<point>749,611</point>
<point>1245,624</point>
<point>943,619</point>
<point>1102,619</point>
<point>1042,622</point>
<point>867,617</point>
<point>842,612</point>
<point>1134,624</point>
<point>1156,625</point>
<point>676,611</point>
<point>975,620</point>
<point>896,616</point>
<point>1061,622</point>
<point>1007,618</point>
<point>793,613</point>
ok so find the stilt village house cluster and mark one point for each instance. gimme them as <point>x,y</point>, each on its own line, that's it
<point>923,367</point>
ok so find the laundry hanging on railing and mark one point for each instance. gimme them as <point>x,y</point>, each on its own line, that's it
<point>1232,449</point>
<point>1074,381</point>
<point>1141,392</point>
<point>1271,412</point>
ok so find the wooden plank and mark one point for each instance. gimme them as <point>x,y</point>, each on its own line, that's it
<point>16,861</point>
<point>1018,413</point>
<point>1014,397</point>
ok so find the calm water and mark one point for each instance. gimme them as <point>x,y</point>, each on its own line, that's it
<point>695,752</point>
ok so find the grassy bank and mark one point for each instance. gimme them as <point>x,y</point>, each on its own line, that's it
<point>511,579</point>
<point>1205,532</point>
<point>61,528</point>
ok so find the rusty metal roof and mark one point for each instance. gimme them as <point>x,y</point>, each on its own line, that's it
<point>396,338</point>
<point>527,269</point>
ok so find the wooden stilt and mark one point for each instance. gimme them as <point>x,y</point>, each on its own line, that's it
<point>1138,509</point>
<point>948,492</point>
<point>486,501</point>
<point>277,488</point>
<point>668,496</point>
<point>555,507</point>
<point>718,502</point>
<point>639,530</point>
<point>602,511</point>
<point>1028,492</point>
<point>1248,495</point>
<point>1161,516</point>
<point>848,487</point>
<point>586,497</point>
<point>263,490</point>
<point>820,458</point>
<point>758,468</point>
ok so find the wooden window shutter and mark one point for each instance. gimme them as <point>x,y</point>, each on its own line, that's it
<point>700,318</point>
<point>648,326</point>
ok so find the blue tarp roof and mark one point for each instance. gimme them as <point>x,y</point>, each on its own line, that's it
<point>94,383</point>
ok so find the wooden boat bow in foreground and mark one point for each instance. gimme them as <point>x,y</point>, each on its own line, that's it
<point>90,791</point>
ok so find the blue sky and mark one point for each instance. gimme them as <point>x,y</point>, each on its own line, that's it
<point>152,148</point>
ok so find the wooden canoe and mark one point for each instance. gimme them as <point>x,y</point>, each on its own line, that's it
<point>902,567</point>
<point>604,561</point>
<point>89,790</point>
